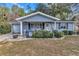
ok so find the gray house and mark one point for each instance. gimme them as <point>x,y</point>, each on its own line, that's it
<point>39,21</point>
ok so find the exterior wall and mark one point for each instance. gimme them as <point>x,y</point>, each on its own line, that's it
<point>65,26</point>
<point>61,26</point>
<point>16,28</point>
<point>25,27</point>
<point>36,26</point>
<point>49,26</point>
<point>71,26</point>
<point>38,18</point>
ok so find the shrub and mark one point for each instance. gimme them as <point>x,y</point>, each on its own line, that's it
<point>58,34</point>
<point>4,24</point>
<point>70,32</point>
<point>37,34</point>
<point>4,29</point>
<point>42,34</point>
<point>66,32</point>
<point>47,34</point>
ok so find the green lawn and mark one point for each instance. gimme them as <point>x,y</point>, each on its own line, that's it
<point>67,46</point>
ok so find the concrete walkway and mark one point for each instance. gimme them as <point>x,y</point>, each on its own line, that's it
<point>5,36</point>
<point>8,37</point>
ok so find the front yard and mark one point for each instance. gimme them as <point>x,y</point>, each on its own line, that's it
<point>67,46</point>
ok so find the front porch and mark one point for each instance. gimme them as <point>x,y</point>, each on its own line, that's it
<point>28,27</point>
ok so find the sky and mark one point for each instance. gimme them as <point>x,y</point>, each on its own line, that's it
<point>21,5</point>
<point>33,6</point>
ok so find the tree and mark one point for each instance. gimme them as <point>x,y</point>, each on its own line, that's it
<point>4,11</point>
<point>4,26</point>
<point>14,9</point>
<point>29,9</point>
<point>42,8</point>
<point>60,10</point>
<point>17,10</point>
<point>21,12</point>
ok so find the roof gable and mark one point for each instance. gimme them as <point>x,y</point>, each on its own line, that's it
<point>37,13</point>
<point>38,18</point>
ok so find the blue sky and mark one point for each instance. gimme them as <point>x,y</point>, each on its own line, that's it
<point>22,5</point>
<point>33,6</point>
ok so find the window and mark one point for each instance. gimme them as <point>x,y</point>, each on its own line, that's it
<point>36,26</point>
<point>62,25</point>
<point>16,28</point>
<point>47,24</point>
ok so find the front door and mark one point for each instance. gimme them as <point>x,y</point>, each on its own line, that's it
<point>48,27</point>
<point>34,27</point>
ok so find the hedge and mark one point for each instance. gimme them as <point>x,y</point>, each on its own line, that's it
<point>42,34</point>
<point>66,32</point>
<point>58,34</point>
<point>47,34</point>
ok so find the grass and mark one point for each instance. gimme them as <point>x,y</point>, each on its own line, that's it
<point>67,46</point>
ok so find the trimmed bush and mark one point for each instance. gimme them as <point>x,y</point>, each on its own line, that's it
<point>47,34</point>
<point>68,32</point>
<point>42,34</point>
<point>37,34</point>
<point>71,32</point>
<point>65,32</point>
<point>58,34</point>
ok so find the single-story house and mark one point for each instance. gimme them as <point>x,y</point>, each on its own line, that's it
<point>39,21</point>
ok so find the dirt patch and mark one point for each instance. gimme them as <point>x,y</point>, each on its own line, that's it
<point>68,46</point>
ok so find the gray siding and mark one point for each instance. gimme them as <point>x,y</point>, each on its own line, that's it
<point>38,18</point>
<point>69,26</point>
<point>16,28</point>
<point>50,24</point>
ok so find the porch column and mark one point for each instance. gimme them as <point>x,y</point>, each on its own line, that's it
<point>74,26</point>
<point>55,25</point>
<point>21,30</point>
<point>11,29</point>
<point>43,25</point>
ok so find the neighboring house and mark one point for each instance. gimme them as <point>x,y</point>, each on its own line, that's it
<point>39,21</point>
